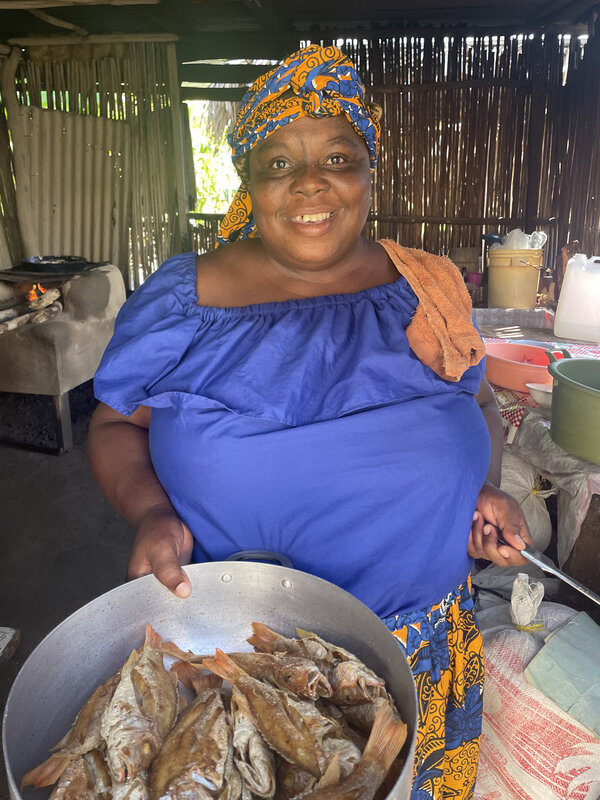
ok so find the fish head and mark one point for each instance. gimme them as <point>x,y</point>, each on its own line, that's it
<point>302,678</point>
<point>137,747</point>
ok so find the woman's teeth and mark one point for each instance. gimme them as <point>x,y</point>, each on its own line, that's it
<point>314,217</point>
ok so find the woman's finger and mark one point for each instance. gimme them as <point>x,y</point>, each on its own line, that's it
<point>171,575</point>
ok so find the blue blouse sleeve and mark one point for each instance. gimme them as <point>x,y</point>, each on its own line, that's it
<point>152,332</point>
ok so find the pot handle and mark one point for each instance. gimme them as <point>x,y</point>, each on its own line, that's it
<point>553,360</point>
<point>552,354</point>
<point>261,555</point>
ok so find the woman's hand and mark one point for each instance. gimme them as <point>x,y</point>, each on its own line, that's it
<point>497,512</point>
<point>161,546</point>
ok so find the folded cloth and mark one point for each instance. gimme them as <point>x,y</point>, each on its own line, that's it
<point>441,333</point>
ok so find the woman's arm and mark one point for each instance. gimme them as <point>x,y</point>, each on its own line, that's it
<point>496,511</point>
<point>491,414</point>
<point>120,459</point>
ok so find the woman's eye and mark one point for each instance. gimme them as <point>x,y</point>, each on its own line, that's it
<point>279,163</point>
<point>336,159</point>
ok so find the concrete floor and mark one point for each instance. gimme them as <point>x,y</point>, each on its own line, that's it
<point>61,543</point>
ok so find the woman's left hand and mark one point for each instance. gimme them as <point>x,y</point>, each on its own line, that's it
<point>496,512</point>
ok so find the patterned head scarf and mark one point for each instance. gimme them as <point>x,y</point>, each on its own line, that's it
<point>313,82</point>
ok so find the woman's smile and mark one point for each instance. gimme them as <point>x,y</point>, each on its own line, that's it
<point>312,218</point>
<point>310,184</point>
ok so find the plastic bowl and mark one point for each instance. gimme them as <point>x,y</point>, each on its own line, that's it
<point>541,393</point>
<point>512,365</point>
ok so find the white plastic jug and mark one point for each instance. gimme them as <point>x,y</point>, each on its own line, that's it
<point>578,311</point>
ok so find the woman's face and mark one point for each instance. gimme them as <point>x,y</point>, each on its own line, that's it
<point>310,187</point>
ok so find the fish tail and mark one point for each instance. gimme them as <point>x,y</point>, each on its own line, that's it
<point>263,639</point>
<point>332,774</point>
<point>224,667</point>
<point>48,772</point>
<point>153,639</point>
<point>386,738</point>
<point>185,672</point>
<point>171,649</point>
<point>193,677</point>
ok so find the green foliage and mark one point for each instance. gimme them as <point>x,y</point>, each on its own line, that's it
<point>216,178</point>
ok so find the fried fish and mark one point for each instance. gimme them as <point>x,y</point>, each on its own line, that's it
<point>141,712</point>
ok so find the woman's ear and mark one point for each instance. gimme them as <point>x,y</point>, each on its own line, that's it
<point>242,165</point>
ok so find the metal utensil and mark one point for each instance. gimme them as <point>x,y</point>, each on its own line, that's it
<point>536,558</point>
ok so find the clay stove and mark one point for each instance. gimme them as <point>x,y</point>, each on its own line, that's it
<point>54,328</point>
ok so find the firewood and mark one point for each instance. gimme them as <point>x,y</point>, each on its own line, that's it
<point>44,300</point>
<point>47,313</point>
<point>17,322</point>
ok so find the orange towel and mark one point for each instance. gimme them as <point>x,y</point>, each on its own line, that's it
<point>441,333</point>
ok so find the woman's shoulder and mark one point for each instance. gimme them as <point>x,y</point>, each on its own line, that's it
<point>227,277</point>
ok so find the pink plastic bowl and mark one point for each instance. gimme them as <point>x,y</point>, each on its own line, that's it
<point>512,365</point>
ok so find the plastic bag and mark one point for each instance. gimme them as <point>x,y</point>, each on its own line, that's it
<point>525,600</point>
<point>522,481</point>
<point>519,240</point>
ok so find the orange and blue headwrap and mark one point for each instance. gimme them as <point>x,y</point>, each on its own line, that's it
<point>313,82</point>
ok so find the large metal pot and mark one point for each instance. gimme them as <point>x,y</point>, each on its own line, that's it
<point>227,597</point>
<point>575,424</point>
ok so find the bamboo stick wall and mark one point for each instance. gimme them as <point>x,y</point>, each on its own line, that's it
<point>577,187</point>
<point>473,136</point>
<point>129,84</point>
<point>481,135</point>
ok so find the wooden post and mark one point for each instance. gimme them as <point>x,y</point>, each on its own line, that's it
<point>64,434</point>
<point>535,140</point>
<point>181,226</point>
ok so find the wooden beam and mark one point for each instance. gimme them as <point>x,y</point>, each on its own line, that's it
<point>431,31</point>
<point>460,220</point>
<point>217,73</point>
<point>476,83</point>
<point>59,23</point>
<point>26,5</point>
<point>236,45</point>
<point>196,93</point>
<point>32,41</point>
<point>566,11</point>
<point>270,21</point>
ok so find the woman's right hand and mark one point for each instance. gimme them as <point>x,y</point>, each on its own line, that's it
<point>162,545</point>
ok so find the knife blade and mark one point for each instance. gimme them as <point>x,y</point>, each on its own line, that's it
<point>536,558</point>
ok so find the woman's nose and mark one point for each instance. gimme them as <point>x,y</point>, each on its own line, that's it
<point>310,179</point>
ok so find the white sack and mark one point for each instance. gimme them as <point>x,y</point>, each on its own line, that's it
<point>522,481</point>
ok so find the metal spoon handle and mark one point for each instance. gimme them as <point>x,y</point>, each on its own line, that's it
<point>536,558</point>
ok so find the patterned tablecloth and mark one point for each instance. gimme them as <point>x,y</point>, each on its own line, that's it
<point>513,405</point>
<point>527,430</point>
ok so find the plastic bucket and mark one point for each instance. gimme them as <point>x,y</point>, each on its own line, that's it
<point>513,277</point>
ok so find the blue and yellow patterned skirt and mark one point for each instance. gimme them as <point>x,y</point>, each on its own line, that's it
<point>444,650</point>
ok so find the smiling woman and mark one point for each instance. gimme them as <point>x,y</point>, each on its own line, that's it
<point>306,391</point>
<point>310,187</point>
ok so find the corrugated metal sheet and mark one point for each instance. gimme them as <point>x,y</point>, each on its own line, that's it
<point>73,186</point>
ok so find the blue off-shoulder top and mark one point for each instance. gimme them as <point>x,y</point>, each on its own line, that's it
<point>305,427</point>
